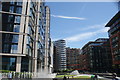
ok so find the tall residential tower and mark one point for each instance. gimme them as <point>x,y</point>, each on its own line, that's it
<point>25,36</point>
<point>59,55</point>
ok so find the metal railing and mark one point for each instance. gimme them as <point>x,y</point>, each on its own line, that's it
<point>16,75</point>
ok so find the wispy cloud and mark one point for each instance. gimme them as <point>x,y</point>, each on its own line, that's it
<point>86,35</point>
<point>68,17</point>
<point>84,29</point>
<point>93,27</point>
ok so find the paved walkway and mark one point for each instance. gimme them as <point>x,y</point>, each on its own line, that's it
<point>102,78</point>
<point>99,77</point>
<point>107,78</point>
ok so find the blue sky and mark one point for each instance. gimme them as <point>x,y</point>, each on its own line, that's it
<point>80,22</point>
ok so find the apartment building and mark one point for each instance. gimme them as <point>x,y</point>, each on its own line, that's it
<point>96,56</point>
<point>25,36</point>
<point>72,58</point>
<point>59,55</point>
<point>114,36</point>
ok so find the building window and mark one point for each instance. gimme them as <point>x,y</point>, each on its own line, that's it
<point>117,57</point>
<point>10,18</point>
<point>19,10</point>
<point>25,64</point>
<point>7,38</point>
<point>8,27</point>
<point>19,3</point>
<point>16,28</point>
<point>15,38</point>
<point>11,9</point>
<point>32,14</point>
<point>14,48</point>
<point>29,46</point>
<point>39,45</point>
<point>12,2</point>
<point>10,43</point>
<point>29,41</point>
<point>9,63</point>
<point>30,31</point>
<point>17,19</point>
<point>29,50</point>
<point>6,48</point>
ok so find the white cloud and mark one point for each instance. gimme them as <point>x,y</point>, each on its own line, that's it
<point>67,17</point>
<point>79,37</point>
<point>86,35</point>
<point>93,27</point>
<point>87,28</point>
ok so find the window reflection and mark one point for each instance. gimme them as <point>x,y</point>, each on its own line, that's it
<point>32,14</point>
<point>14,48</point>
<point>19,10</point>
<point>15,38</point>
<point>30,31</point>
<point>10,43</point>
<point>29,45</point>
<point>11,9</point>
<point>29,40</point>
<point>12,2</point>
<point>16,28</point>
<point>19,3</point>
<point>12,24</point>
<point>17,19</point>
<point>29,50</point>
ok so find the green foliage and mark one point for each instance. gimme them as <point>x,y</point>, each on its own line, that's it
<point>86,77</point>
<point>61,76</point>
<point>5,71</point>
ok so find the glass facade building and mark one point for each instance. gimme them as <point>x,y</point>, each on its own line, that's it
<point>25,36</point>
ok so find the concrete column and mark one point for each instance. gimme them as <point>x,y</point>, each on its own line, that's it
<point>22,23</point>
<point>26,28</point>
<point>18,64</point>
<point>34,67</point>
<point>47,38</point>
<point>41,66</point>
<point>0,35</point>
<point>30,62</point>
